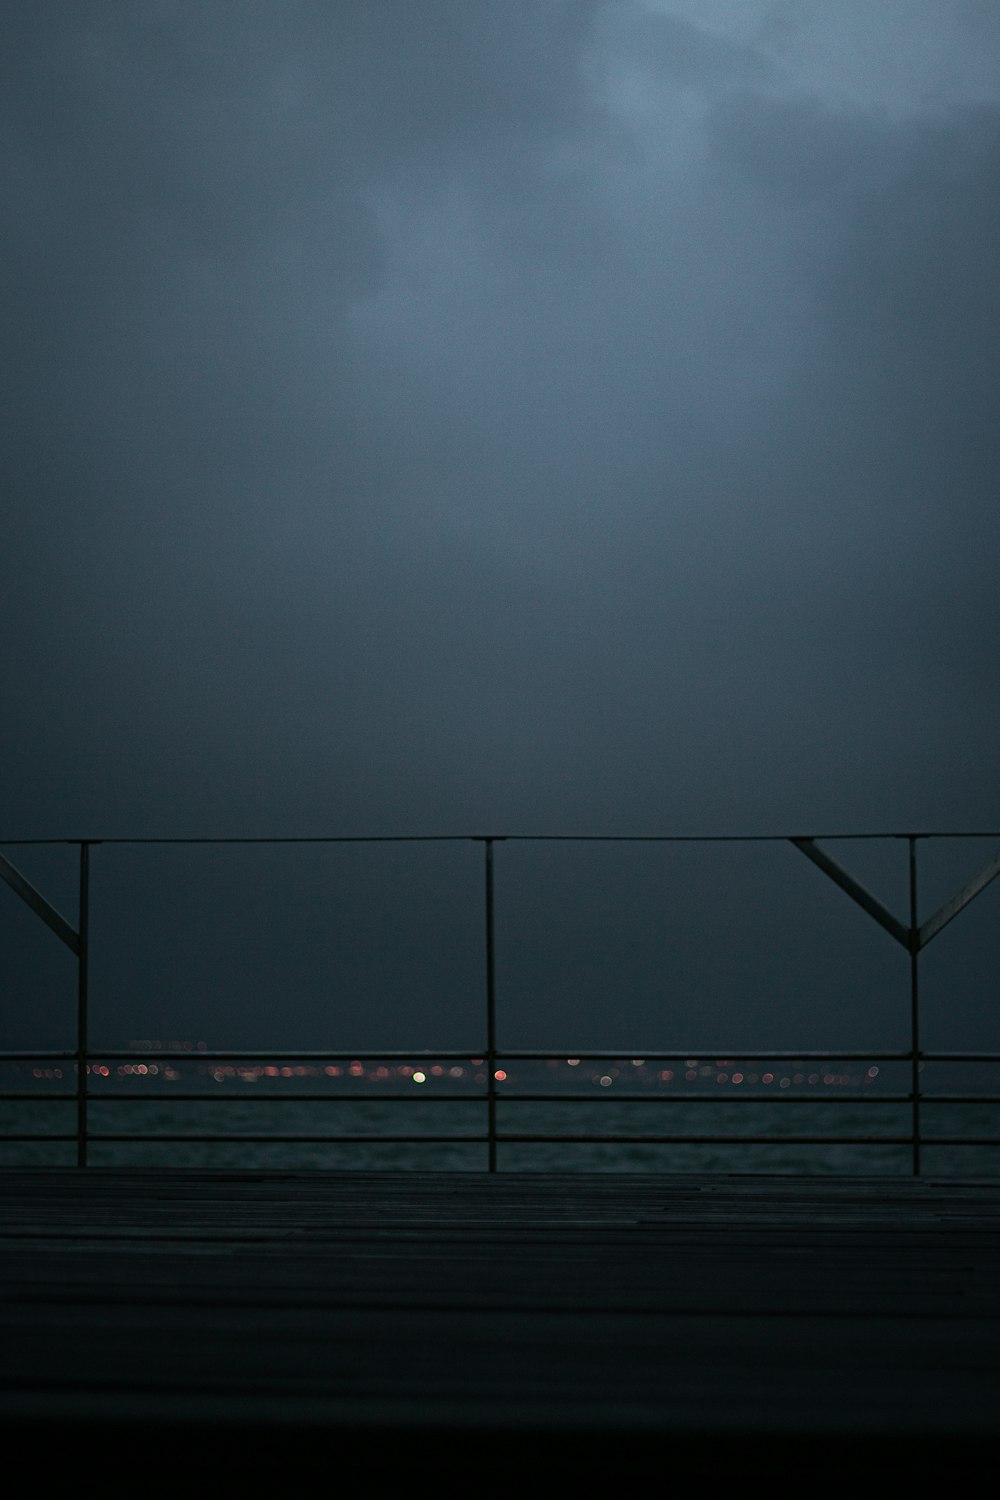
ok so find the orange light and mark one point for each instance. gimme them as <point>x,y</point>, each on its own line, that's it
<point>500,1075</point>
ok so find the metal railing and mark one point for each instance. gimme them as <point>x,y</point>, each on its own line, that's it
<point>912,935</point>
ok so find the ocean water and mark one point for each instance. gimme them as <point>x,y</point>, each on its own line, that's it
<point>880,1132</point>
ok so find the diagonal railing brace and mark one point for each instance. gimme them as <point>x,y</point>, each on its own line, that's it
<point>961,899</point>
<point>913,938</point>
<point>39,905</point>
<point>855,890</point>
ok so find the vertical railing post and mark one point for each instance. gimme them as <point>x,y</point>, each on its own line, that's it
<point>491,1030</point>
<point>914,945</point>
<point>82,1043</point>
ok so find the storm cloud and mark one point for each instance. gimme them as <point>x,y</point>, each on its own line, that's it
<point>561,417</point>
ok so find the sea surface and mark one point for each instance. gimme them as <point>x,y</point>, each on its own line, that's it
<point>864,1136</point>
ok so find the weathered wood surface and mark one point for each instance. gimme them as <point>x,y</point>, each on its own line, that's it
<point>366,1322</point>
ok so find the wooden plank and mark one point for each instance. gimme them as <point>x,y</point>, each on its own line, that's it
<point>550,1319</point>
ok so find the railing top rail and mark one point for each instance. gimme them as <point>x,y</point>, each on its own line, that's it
<point>500,838</point>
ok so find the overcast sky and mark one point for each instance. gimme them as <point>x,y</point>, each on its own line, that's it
<point>449,416</point>
<point>500,414</point>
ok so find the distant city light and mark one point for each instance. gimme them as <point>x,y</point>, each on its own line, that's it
<point>650,1074</point>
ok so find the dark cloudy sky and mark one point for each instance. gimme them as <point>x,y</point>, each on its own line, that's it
<point>440,416</point>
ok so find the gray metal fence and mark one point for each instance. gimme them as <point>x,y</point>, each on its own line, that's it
<point>492,1060</point>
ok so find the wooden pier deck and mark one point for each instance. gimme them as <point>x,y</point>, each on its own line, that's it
<point>193,1330</point>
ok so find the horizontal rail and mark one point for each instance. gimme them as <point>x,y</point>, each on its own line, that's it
<point>501,838</point>
<point>506,1137</point>
<point>832,1101</point>
<point>469,1054</point>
